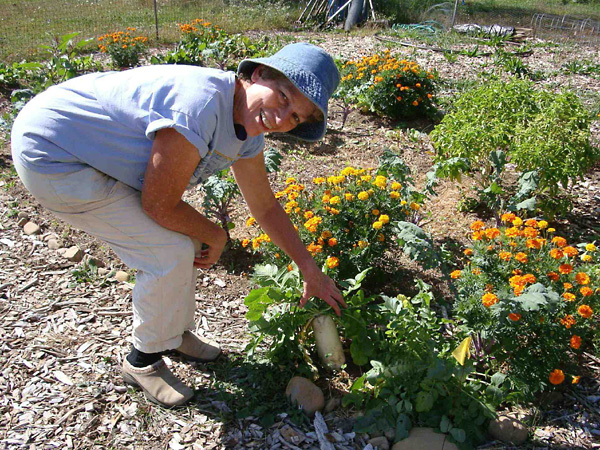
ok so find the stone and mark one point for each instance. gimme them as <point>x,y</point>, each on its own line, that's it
<point>102,271</point>
<point>74,254</point>
<point>54,244</point>
<point>421,438</point>
<point>380,443</point>
<point>22,221</point>
<point>122,276</point>
<point>304,393</point>
<point>23,215</point>
<point>90,260</point>
<point>31,228</point>
<point>508,429</point>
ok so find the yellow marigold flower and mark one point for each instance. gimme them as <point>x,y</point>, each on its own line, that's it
<point>551,230</point>
<point>290,180</point>
<point>455,274</point>
<point>332,262</point>
<point>565,269</point>
<point>256,243</point>
<point>384,218</point>
<point>569,297</point>
<point>512,232</point>
<point>290,268</point>
<point>334,211</point>
<point>395,195</point>
<point>576,379</point>
<point>362,244</point>
<point>515,317</point>
<point>251,221</point>
<point>377,225</point>
<point>489,299</point>
<point>521,257</point>
<point>380,181</point>
<point>335,200</point>
<point>586,291</point>
<point>468,251</point>
<point>366,178</point>
<point>556,376</point>
<point>476,271</point>
<point>349,197</point>
<point>575,342</point>
<point>585,311</point>
<point>477,235</point>
<point>542,224</point>
<point>590,248</point>
<point>348,171</point>
<point>517,222</point>
<point>415,206</point>
<point>582,278</point>
<point>245,242</point>
<point>586,258</point>
<point>308,214</point>
<point>319,180</point>
<point>477,225</point>
<point>508,217</point>
<point>396,186</point>
<point>363,195</point>
<point>332,242</point>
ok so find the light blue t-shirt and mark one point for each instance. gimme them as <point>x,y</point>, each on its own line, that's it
<point>108,121</point>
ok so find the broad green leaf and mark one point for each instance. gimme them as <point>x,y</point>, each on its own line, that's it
<point>445,424</point>
<point>458,434</point>
<point>256,296</point>
<point>424,401</point>
<point>403,426</point>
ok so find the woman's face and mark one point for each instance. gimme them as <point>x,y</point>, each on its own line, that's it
<point>272,106</point>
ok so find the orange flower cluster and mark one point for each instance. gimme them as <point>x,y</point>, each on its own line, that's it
<point>199,27</point>
<point>122,39</point>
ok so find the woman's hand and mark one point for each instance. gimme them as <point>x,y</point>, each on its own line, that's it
<point>209,254</point>
<point>317,284</point>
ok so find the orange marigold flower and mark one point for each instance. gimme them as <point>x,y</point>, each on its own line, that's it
<point>476,271</point>
<point>505,256</point>
<point>514,317</point>
<point>586,258</point>
<point>576,379</point>
<point>585,311</point>
<point>508,217</point>
<point>559,241</point>
<point>332,242</point>
<point>477,235</point>
<point>530,232</point>
<point>477,225</point>
<point>489,299</point>
<point>567,286</point>
<point>569,297</point>
<point>529,278</point>
<point>468,252</point>
<point>570,251</point>
<point>556,376</point>
<point>535,243</point>
<point>565,269</point>
<point>512,232</point>
<point>332,262</point>
<point>251,221</point>
<point>531,223</point>
<point>456,274</point>
<point>492,233</point>
<point>586,291</point>
<point>575,341</point>
<point>556,253</point>
<point>568,321</point>
<point>521,257</point>
<point>582,278</point>
<point>245,242</point>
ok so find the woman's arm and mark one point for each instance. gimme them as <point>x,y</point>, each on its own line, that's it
<point>171,165</point>
<point>251,176</point>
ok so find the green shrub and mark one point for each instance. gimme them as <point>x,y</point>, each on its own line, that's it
<point>535,129</point>
<point>123,47</point>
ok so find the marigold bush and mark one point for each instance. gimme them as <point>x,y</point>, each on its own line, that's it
<point>343,218</point>
<point>531,299</point>
<point>389,86</point>
<point>123,47</point>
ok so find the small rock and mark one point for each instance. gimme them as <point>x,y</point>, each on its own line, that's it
<point>305,394</point>
<point>23,215</point>
<point>93,261</point>
<point>54,244</point>
<point>508,429</point>
<point>102,271</point>
<point>122,276</point>
<point>74,254</point>
<point>332,404</point>
<point>424,439</point>
<point>31,228</point>
<point>22,221</point>
<point>62,251</point>
<point>380,442</point>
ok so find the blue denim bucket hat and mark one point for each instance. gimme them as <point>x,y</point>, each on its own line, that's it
<point>312,70</point>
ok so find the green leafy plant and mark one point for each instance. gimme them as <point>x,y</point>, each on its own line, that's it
<point>530,298</point>
<point>512,122</point>
<point>124,48</point>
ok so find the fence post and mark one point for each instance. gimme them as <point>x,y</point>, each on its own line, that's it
<point>156,18</point>
<point>454,14</point>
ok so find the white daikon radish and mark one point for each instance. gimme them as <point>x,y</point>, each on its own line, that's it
<point>328,342</point>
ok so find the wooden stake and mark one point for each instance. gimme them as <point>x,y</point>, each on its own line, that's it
<point>337,12</point>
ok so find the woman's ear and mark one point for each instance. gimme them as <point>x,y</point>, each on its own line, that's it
<point>257,74</point>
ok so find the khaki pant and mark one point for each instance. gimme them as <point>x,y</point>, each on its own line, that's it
<point>163,297</point>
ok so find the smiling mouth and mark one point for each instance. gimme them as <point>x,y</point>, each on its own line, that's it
<point>265,121</point>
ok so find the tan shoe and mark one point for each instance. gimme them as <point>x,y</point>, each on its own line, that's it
<point>195,348</point>
<point>158,383</point>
